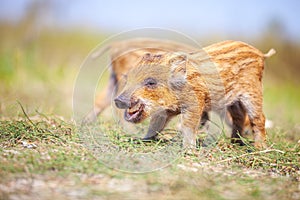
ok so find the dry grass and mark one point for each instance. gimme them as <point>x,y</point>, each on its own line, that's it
<point>47,154</point>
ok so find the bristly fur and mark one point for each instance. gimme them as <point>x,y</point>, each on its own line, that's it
<point>234,81</point>
<point>223,76</point>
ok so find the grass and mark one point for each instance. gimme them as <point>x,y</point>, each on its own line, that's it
<point>43,155</point>
<point>47,149</point>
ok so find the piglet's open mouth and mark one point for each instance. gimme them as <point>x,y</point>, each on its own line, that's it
<point>134,113</point>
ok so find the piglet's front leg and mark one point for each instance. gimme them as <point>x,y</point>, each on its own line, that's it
<point>157,124</point>
<point>189,125</point>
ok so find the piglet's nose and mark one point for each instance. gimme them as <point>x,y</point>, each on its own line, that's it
<point>122,102</point>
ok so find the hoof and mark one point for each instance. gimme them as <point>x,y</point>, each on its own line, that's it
<point>237,141</point>
<point>142,140</point>
<point>149,139</point>
<point>260,145</point>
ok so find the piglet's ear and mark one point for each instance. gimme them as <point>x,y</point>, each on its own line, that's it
<point>178,59</point>
<point>178,64</point>
<point>178,70</point>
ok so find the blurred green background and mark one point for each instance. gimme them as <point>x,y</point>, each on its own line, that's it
<point>43,44</point>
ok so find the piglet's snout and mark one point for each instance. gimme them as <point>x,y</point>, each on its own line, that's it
<point>122,102</point>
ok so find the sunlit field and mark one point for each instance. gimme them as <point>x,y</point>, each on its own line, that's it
<point>43,156</point>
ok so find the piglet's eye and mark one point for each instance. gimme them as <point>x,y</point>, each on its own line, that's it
<point>150,82</point>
